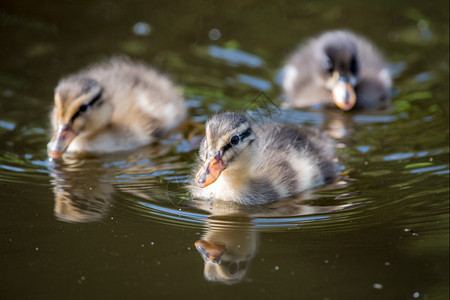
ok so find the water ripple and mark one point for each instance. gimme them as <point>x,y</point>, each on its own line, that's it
<point>236,57</point>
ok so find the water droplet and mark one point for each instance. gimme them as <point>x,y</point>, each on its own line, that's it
<point>416,295</point>
<point>277,268</point>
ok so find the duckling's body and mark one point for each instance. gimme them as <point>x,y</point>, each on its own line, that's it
<point>113,106</point>
<point>269,162</point>
<point>338,66</point>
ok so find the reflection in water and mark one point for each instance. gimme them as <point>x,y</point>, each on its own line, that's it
<point>84,187</point>
<point>340,126</point>
<point>79,198</point>
<point>231,233</point>
<point>227,247</point>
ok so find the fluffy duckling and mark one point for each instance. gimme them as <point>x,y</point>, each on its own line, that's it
<point>340,67</point>
<point>253,166</point>
<point>113,106</point>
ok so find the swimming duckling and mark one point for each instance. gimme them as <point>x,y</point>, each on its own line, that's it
<point>340,67</point>
<point>113,106</point>
<point>257,165</point>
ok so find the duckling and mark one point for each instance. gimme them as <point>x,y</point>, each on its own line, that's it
<point>254,166</point>
<point>338,66</point>
<point>113,106</point>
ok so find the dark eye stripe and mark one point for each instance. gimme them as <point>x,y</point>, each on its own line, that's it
<point>226,147</point>
<point>245,134</point>
<point>95,99</point>
<point>241,137</point>
<point>83,107</point>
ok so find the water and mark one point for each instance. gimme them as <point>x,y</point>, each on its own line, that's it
<point>123,225</point>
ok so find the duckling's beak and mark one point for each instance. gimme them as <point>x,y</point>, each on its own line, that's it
<point>210,252</point>
<point>60,141</point>
<point>343,94</point>
<point>210,171</point>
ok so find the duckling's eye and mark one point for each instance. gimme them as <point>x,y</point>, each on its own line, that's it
<point>328,65</point>
<point>83,107</point>
<point>354,66</point>
<point>233,268</point>
<point>235,140</point>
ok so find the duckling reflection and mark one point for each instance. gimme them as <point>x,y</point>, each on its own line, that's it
<point>84,188</point>
<point>337,67</point>
<point>82,192</point>
<point>81,201</point>
<point>227,246</point>
<point>230,240</point>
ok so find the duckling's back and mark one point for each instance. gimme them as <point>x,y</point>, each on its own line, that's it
<point>293,159</point>
<point>144,100</point>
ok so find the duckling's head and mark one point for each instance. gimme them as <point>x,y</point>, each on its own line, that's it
<point>80,110</point>
<point>222,264</point>
<point>226,147</point>
<point>338,66</point>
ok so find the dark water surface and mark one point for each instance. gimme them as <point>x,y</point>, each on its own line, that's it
<point>123,225</point>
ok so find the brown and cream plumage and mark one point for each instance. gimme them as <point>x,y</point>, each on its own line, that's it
<point>257,165</point>
<point>337,67</point>
<point>113,106</point>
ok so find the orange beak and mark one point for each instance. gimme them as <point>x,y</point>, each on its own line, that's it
<point>210,252</point>
<point>343,94</point>
<point>210,171</point>
<point>60,141</point>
